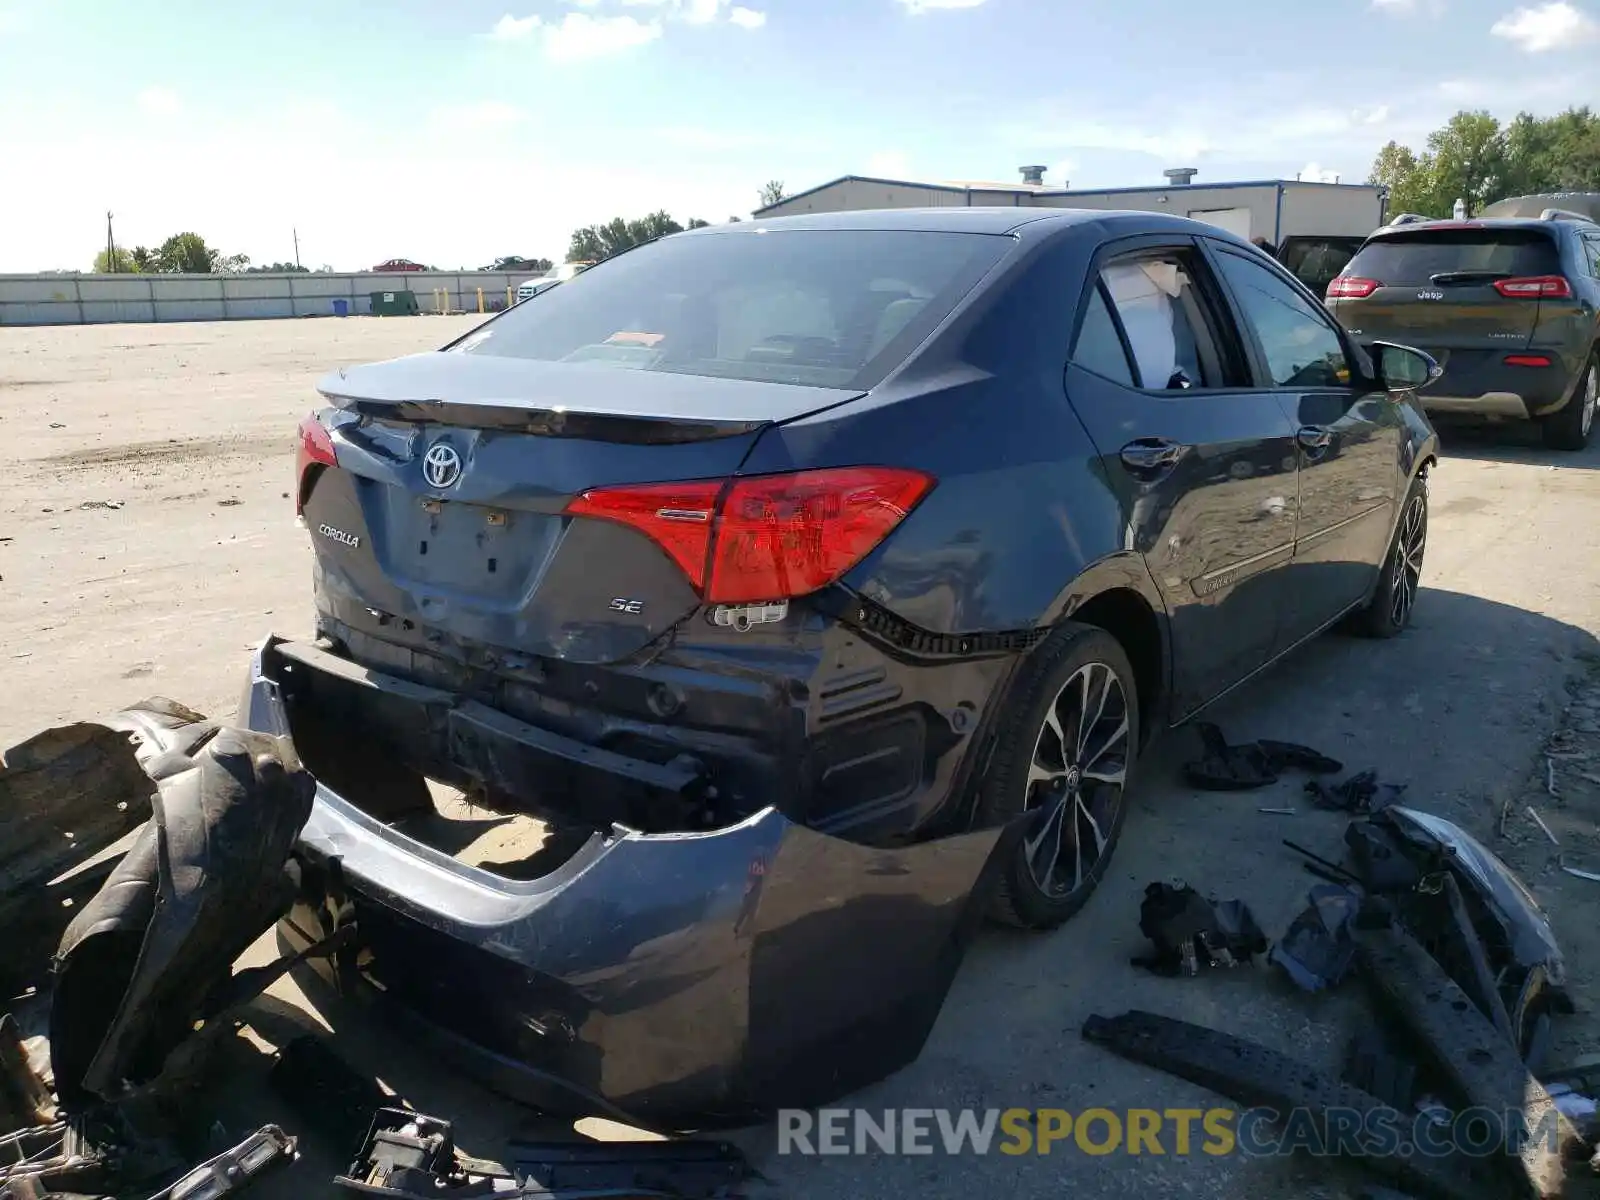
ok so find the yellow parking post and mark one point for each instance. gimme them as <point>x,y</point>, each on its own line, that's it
<point>480,300</point>
<point>509,300</point>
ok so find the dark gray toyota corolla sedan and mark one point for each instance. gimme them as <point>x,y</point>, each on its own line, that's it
<point>815,581</point>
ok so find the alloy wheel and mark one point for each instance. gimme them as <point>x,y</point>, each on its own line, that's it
<point>1408,549</point>
<point>1076,779</point>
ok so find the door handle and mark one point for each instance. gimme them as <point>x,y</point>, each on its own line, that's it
<point>1151,454</point>
<point>1314,437</point>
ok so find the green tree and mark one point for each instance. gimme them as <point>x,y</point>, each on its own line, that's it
<point>185,253</point>
<point>733,220</point>
<point>277,268</point>
<point>772,193</point>
<point>597,242</point>
<point>1469,160</point>
<point>515,262</point>
<point>123,264</point>
<point>696,223</point>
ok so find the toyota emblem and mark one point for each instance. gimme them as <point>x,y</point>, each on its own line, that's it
<point>441,465</point>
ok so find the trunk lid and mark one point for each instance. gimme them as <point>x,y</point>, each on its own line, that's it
<point>443,521</point>
<point>1436,288</point>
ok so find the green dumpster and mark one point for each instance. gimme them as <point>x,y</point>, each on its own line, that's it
<point>394,304</point>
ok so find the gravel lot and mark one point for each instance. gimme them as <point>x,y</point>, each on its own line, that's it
<point>149,542</point>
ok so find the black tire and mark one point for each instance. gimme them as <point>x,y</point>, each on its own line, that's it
<point>1568,427</point>
<point>1389,611</point>
<point>1089,783</point>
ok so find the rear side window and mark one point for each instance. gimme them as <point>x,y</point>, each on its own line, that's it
<point>1099,346</point>
<point>1162,314</point>
<point>819,307</point>
<point>1415,258</point>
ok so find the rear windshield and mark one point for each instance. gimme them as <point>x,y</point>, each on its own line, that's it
<point>819,307</point>
<point>1315,261</point>
<point>1415,258</point>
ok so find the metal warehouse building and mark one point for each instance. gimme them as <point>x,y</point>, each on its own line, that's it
<point>1273,209</point>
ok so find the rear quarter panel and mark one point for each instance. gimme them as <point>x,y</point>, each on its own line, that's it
<point>1022,523</point>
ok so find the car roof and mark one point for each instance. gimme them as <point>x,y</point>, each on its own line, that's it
<point>1490,225</point>
<point>997,219</point>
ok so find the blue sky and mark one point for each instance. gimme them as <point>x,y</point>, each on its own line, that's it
<point>454,132</point>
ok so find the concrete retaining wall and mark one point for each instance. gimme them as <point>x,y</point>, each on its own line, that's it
<point>97,299</point>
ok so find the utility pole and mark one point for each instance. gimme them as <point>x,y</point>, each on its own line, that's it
<point>296,247</point>
<point>111,247</point>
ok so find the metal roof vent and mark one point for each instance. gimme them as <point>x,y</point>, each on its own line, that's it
<point>1181,176</point>
<point>1034,174</point>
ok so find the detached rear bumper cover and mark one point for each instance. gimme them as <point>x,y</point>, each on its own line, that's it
<point>678,979</point>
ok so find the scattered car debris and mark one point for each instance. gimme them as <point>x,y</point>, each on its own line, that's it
<point>1360,793</point>
<point>233,1171</point>
<point>1578,872</point>
<point>1465,1046</point>
<point>153,952</point>
<point>1187,930</point>
<point>1373,1065</point>
<point>25,1101</point>
<point>1316,951</point>
<point>410,1155</point>
<point>92,504</point>
<point>1253,1074</point>
<point>1252,765</point>
<point>332,1096</point>
<point>1278,812</point>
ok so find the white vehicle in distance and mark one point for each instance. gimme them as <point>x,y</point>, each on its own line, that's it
<point>549,280</point>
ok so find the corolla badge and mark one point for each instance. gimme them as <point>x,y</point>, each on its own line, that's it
<point>441,465</point>
<point>339,535</point>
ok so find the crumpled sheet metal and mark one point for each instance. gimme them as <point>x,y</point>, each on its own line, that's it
<point>143,960</point>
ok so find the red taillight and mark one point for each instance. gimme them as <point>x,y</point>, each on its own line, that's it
<point>766,537</point>
<point>677,516</point>
<point>1352,287</point>
<point>1527,360</point>
<point>1535,287</point>
<point>313,448</point>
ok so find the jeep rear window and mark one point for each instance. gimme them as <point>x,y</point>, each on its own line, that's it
<point>820,307</point>
<point>1408,259</point>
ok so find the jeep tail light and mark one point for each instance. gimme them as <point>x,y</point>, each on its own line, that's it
<point>314,448</point>
<point>1352,287</point>
<point>765,537</point>
<point>1535,287</point>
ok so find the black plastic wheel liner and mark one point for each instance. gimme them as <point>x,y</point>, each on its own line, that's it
<point>140,964</point>
<point>1258,1076</point>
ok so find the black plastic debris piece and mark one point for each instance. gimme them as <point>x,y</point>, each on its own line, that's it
<point>1381,858</point>
<point>1373,1066</point>
<point>234,1170</point>
<point>1225,768</point>
<point>688,1167</point>
<point>335,1100</point>
<point>1482,1068</point>
<point>408,1155</point>
<point>1316,951</point>
<point>141,963</point>
<point>1189,931</point>
<point>1358,794</point>
<point>1257,1076</point>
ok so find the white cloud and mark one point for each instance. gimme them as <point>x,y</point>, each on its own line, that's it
<point>1060,175</point>
<point>511,29</point>
<point>159,101</point>
<point>1376,115</point>
<point>693,137</point>
<point>701,12</point>
<point>1547,27</point>
<point>582,38</point>
<point>917,7</point>
<point>1317,173</point>
<point>487,114</point>
<point>1395,5</point>
<point>746,18</point>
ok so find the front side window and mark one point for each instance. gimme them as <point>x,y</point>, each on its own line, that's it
<point>832,308</point>
<point>1300,345</point>
<point>1161,313</point>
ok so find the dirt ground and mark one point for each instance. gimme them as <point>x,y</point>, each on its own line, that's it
<point>147,541</point>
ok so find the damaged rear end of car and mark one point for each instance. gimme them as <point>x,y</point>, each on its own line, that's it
<point>634,800</point>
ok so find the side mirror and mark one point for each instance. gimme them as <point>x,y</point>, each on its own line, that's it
<point>1403,368</point>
